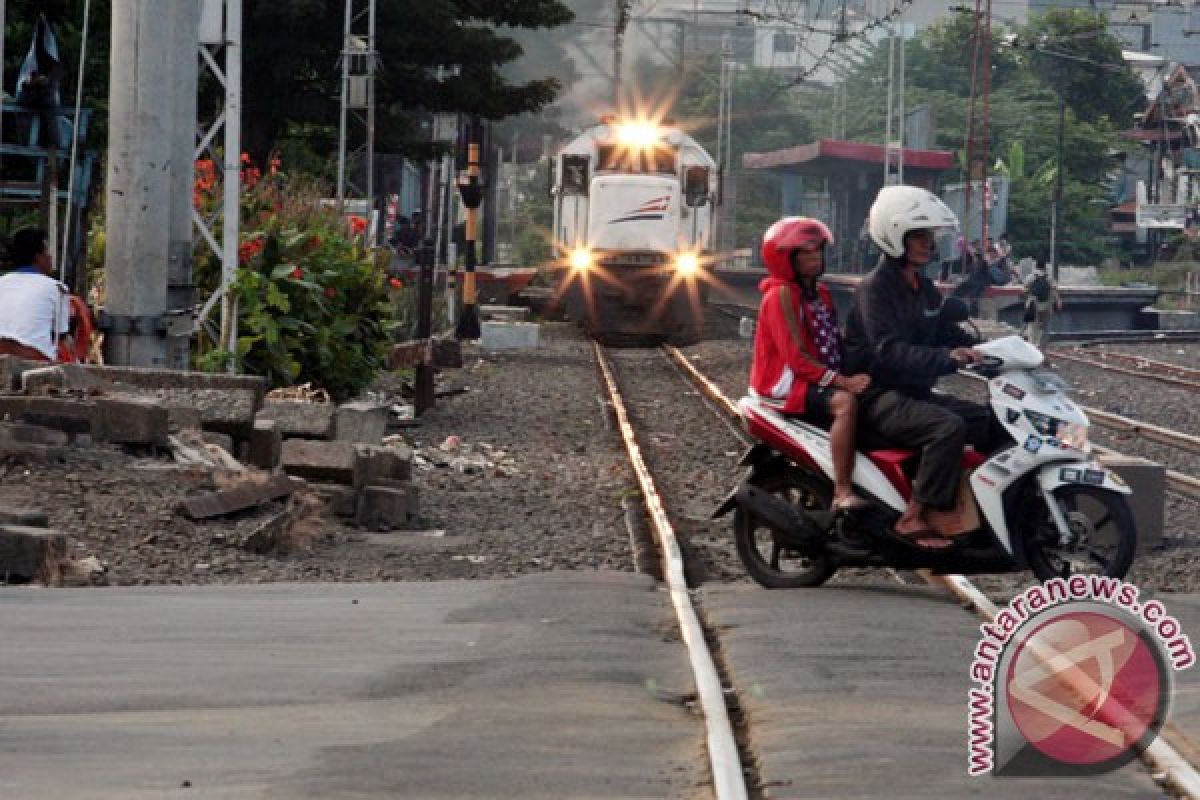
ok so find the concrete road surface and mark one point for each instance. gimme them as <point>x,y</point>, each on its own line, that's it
<point>554,686</point>
<point>861,692</point>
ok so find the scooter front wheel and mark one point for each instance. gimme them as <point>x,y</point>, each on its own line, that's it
<point>768,561</point>
<point>1103,535</point>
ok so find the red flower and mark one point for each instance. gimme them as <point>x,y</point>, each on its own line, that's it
<point>396,283</point>
<point>245,158</point>
<point>249,250</point>
<point>298,274</point>
<point>358,224</point>
<point>330,292</point>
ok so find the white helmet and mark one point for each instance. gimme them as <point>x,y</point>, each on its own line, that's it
<point>900,209</point>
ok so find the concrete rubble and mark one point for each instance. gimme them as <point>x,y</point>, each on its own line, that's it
<point>312,458</point>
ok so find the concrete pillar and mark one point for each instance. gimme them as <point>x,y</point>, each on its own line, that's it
<point>185,33</point>
<point>138,186</point>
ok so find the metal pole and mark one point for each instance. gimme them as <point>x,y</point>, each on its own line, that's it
<point>900,99</point>
<point>1056,210</point>
<point>185,34</point>
<point>341,169</point>
<point>137,187</point>
<point>424,394</point>
<point>74,153</point>
<point>371,59</point>
<point>233,151</point>
<point>468,322</point>
<point>887,128</point>
<point>3,29</point>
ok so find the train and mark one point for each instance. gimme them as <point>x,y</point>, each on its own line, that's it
<point>635,205</point>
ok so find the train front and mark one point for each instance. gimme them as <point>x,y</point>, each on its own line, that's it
<point>637,268</point>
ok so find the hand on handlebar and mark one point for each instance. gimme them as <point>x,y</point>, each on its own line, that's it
<point>855,384</point>
<point>965,356</point>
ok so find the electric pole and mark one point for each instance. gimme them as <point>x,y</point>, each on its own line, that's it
<point>138,188</point>
<point>623,7</point>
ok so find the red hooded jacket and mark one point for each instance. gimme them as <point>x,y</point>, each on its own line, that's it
<point>783,368</point>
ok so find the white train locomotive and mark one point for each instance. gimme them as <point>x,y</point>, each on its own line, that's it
<point>634,217</point>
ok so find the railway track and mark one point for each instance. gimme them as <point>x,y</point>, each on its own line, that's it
<point>1172,758</point>
<point>1137,367</point>
<point>729,780</point>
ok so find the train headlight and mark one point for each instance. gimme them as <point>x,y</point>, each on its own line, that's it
<point>581,259</point>
<point>1074,434</point>
<point>687,264</point>
<point>638,134</point>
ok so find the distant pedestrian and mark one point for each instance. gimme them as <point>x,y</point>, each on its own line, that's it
<point>34,307</point>
<point>1042,301</point>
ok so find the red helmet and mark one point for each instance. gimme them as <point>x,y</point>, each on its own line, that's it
<point>786,235</point>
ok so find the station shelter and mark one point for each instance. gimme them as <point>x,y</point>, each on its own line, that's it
<point>836,181</point>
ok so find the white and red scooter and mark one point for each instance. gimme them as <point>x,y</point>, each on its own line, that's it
<point>1041,503</point>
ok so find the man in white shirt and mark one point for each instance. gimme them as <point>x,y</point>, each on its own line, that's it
<point>34,307</point>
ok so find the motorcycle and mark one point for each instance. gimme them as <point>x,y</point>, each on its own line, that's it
<point>1041,502</point>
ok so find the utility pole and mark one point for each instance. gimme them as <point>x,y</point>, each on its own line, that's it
<point>622,23</point>
<point>1056,209</point>
<point>141,119</point>
<point>184,18</point>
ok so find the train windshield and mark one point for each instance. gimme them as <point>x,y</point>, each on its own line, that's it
<point>659,158</point>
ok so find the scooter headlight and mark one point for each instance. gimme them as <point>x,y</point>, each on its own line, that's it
<point>1075,435</point>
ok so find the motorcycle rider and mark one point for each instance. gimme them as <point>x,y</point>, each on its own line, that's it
<point>798,347</point>
<point>895,333</point>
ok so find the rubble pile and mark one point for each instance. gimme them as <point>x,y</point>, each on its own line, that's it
<point>233,468</point>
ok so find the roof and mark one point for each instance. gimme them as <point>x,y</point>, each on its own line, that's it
<point>1151,135</point>
<point>827,152</point>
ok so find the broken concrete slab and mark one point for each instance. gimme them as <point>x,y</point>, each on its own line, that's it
<point>117,421</point>
<point>378,463</point>
<point>36,434</point>
<point>131,422</point>
<point>26,517</point>
<point>342,501</point>
<point>28,553</point>
<point>180,381</point>
<point>383,508</point>
<point>301,420</point>
<point>11,369</point>
<point>360,421</point>
<point>239,498</point>
<point>502,336</point>
<point>504,313</point>
<point>264,449</point>
<point>229,411</point>
<point>319,461</point>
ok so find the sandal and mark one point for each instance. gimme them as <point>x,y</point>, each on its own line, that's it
<point>925,539</point>
<point>850,502</point>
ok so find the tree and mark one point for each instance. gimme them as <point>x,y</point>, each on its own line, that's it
<point>292,49</point>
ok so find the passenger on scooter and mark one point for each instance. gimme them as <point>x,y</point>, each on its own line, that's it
<point>798,348</point>
<point>896,334</point>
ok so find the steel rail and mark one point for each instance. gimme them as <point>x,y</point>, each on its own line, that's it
<point>1183,383</point>
<point>1163,756</point>
<point>1134,360</point>
<point>728,779</point>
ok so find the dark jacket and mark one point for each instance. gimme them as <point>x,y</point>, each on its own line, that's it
<point>897,335</point>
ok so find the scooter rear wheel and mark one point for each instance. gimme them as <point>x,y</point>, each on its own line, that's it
<point>770,563</point>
